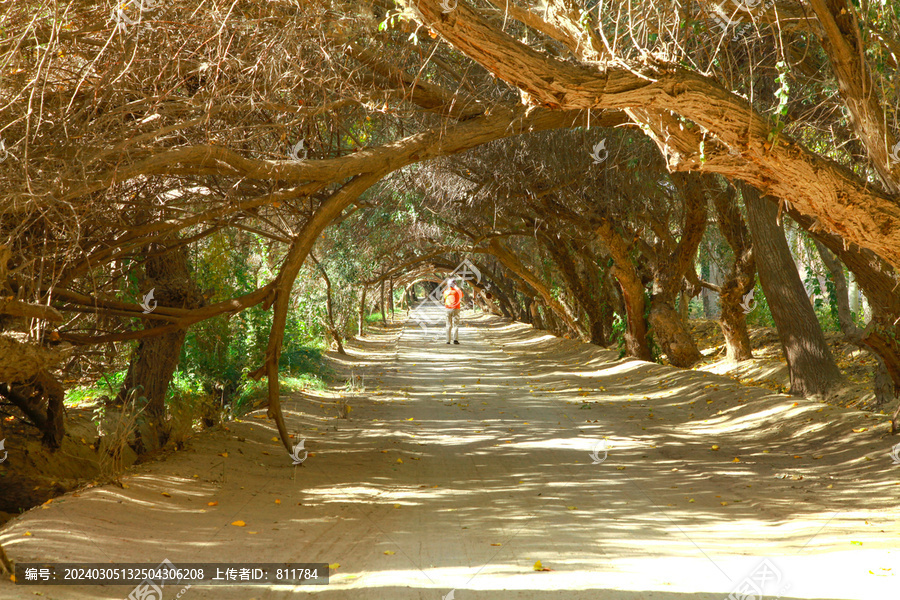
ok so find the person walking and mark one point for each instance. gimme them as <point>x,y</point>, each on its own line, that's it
<point>452,302</point>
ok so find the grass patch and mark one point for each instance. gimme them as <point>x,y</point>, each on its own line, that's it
<point>251,392</point>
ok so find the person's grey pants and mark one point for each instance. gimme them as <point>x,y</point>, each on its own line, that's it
<point>453,323</point>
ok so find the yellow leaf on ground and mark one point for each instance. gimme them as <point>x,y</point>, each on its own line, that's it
<point>714,447</point>
<point>496,544</point>
<point>239,524</point>
<point>167,494</point>
<point>389,552</point>
<point>277,501</point>
<point>572,507</point>
<point>215,503</point>
<point>334,566</point>
<point>275,439</point>
<point>28,533</point>
<point>223,454</point>
<point>860,430</point>
<point>396,506</point>
<point>400,460</point>
<point>411,419</point>
<point>736,459</point>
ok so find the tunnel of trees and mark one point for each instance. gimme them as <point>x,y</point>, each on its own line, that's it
<point>274,172</point>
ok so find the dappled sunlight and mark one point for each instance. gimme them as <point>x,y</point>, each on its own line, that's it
<point>461,472</point>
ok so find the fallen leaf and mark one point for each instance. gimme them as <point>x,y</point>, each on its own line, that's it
<point>496,544</point>
<point>714,447</point>
<point>215,503</point>
<point>572,507</point>
<point>334,566</point>
<point>239,524</point>
<point>736,459</point>
<point>223,454</point>
<point>389,552</point>
<point>400,460</point>
<point>539,567</point>
<point>277,501</point>
<point>167,494</point>
<point>860,430</point>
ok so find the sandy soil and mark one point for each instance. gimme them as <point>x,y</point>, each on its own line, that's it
<point>461,466</point>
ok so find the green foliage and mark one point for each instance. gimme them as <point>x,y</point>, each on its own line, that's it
<point>250,391</point>
<point>218,353</point>
<point>783,95</point>
<point>825,308</point>
<point>619,326</point>
<point>374,317</point>
<point>108,385</point>
<point>761,315</point>
<point>655,350</point>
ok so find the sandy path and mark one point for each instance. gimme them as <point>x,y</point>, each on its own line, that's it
<point>495,437</point>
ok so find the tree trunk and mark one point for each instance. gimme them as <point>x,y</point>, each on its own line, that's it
<point>841,290</point>
<point>879,282</point>
<point>154,361</point>
<point>669,273</point>
<point>30,398</point>
<point>54,430</point>
<point>671,334</point>
<point>637,343</point>
<point>329,307</point>
<point>391,297</point>
<point>512,262</point>
<point>362,311</point>
<point>536,320</point>
<point>812,367</point>
<point>684,311</point>
<point>381,302</point>
<point>582,285</point>
<point>739,280</point>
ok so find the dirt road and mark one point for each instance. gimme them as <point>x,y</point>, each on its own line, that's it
<point>460,467</point>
